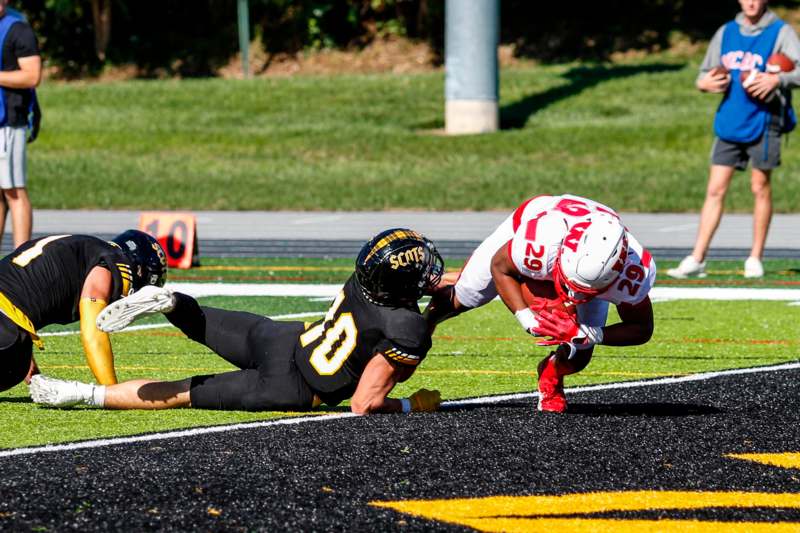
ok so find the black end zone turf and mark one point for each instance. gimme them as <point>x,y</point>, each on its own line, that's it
<point>321,476</point>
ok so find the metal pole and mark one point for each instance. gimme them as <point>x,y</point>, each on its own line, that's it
<point>471,36</point>
<point>244,35</point>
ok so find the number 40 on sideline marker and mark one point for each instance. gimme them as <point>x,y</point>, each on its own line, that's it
<point>177,234</point>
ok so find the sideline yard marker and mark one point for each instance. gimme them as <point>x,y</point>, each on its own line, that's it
<point>487,400</point>
<point>177,234</point>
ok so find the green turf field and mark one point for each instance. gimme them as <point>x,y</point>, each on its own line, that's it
<point>619,133</point>
<point>480,353</point>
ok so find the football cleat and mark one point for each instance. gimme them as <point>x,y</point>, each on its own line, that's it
<point>551,387</point>
<point>688,267</point>
<point>58,392</point>
<point>146,301</point>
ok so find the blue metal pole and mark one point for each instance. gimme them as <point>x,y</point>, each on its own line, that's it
<point>472,33</point>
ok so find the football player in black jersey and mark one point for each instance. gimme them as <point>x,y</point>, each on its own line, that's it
<point>65,278</point>
<point>372,337</point>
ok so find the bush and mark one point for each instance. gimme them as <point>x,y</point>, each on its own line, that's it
<point>195,38</point>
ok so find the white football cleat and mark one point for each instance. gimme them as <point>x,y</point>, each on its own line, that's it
<point>146,301</point>
<point>753,268</point>
<point>687,268</point>
<point>58,392</point>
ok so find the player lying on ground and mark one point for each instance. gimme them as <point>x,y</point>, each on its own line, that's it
<point>372,337</point>
<point>64,278</point>
<point>576,248</point>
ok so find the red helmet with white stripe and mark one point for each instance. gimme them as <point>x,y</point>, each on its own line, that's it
<point>590,258</point>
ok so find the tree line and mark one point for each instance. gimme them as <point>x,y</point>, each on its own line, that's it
<point>196,37</point>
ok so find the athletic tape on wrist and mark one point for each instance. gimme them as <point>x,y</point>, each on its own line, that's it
<point>527,319</point>
<point>406,405</point>
<point>591,336</point>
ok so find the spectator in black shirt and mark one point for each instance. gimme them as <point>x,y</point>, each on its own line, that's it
<point>20,73</point>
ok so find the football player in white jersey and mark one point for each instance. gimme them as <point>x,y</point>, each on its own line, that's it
<point>578,247</point>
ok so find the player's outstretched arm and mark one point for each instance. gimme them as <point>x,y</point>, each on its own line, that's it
<point>506,280</point>
<point>636,327</point>
<point>377,381</point>
<point>95,295</point>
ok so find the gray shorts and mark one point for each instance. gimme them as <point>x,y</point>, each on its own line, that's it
<point>13,169</point>
<point>764,153</point>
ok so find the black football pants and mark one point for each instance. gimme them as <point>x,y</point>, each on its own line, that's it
<point>261,348</point>
<point>15,353</point>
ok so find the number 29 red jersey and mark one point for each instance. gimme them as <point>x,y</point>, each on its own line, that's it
<point>542,223</point>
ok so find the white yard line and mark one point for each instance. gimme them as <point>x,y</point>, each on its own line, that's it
<point>329,291</point>
<point>168,325</point>
<point>323,292</point>
<point>256,289</point>
<point>488,400</point>
<point>629,384</point>
<point>723,293</point>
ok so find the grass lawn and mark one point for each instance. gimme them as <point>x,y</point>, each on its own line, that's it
<point>480,353</point>
<point>622,134</point>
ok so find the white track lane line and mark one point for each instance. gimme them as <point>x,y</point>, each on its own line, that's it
<point>488,400</point>
<point>628,384</point>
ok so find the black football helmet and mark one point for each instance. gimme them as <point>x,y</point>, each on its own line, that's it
<point>397,266</point>
<point>148,261</point>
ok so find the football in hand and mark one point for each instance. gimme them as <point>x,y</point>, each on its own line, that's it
<point>747,77</point>
<point>541,295</point>
<point>779,63</point>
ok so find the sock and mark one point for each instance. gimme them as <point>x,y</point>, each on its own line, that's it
<point>97,397</point>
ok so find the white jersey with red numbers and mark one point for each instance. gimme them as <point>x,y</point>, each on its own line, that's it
<point>532,234</point>
<point>542,223</point>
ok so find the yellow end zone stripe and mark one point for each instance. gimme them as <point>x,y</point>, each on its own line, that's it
<point>783,460</point>
<point>577,512</point>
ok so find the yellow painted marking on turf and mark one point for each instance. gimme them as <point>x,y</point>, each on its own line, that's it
<point>429,372</point>
<point>573,512</point>
<point>783,460</point>
<point>166,369</point>
<point>531,373</point>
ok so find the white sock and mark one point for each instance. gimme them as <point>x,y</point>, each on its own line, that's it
<point>97,397</point>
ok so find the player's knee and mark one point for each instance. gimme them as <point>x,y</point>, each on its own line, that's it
<point>271,402</point>
<point>647,332</point>
<point>760,188</point>
<point>716,191</point>
<point>13,372</point>
<point>15,356</point>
